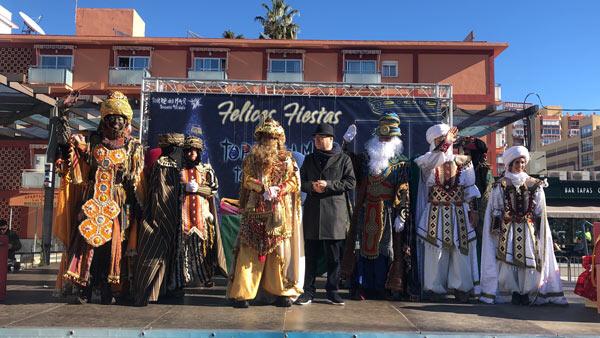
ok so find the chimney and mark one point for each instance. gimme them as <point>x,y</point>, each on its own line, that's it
<point>109,22</point>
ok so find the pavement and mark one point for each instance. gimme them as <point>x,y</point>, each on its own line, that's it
<point>30,310</point>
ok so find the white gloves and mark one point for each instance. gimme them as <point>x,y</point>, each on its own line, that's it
<point>271,193</point>
<point>398,224</point>
<point>192,186</point>
<point>350,133</point>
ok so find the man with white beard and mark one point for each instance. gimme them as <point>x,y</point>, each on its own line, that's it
<point>380,218</point>
<point>448,237</point>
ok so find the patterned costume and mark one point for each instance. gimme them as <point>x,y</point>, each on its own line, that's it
<point>160,232</point>
<point>518,255</point>
<point>381,224</point>
<point>448,238</point>
<point>202,251</point>
<point>100,203</point>
<point>269,252</point>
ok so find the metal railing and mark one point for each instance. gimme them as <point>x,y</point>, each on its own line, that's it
<point>570,267</point>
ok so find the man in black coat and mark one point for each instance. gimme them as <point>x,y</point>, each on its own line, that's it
<point>326,176</point>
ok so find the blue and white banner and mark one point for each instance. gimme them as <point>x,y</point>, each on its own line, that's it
<point>226,123</point>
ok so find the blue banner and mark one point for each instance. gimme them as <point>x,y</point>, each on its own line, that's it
<point>226,123</point>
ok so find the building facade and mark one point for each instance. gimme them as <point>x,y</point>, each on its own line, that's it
<point>110,52</point>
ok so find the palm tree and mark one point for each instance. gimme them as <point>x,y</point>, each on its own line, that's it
<point>278,21</point>
<point>229,34</point>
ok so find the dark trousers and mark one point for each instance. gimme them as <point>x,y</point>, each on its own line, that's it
<point>312,251</point>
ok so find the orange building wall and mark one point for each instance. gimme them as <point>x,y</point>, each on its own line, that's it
<point>90,68</point>
<point>169,63</point>
<point>245,65</point>
<point>321,67</point>
<point>405,67</point>
<point>467,73</point>
<point>102,21</point>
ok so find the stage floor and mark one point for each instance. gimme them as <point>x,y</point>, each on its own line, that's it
<point>30,306</point>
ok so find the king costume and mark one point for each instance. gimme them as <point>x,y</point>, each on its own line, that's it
<point>518,262</point>
<point>269,250</point>
<point>100,204</point>
<point>381,223</point>
<point>448,239</point>
<point>179,241</point>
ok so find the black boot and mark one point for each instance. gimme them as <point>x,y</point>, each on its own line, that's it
<point>283,301</point>
<point>525,299</point>
<point>106,296</point>
<point>516,298</point>
<point>241,304</point>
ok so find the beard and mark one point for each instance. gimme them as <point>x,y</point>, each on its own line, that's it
<point>380,153</point>
<point>266,152</point>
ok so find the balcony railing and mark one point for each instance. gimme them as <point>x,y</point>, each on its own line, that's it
<point>34,179</point>
<point>38,75</point>
<point>285,77</point>
<point>206,75</point>
<point>127,77</point>
<point>362,78</point>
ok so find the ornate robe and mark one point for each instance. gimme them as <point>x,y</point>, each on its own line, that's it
<point>202,251</point>
<point>447,186</point>
<point>381,198</point>
<point>270,232</point>
<point>98,210</point>
<point>517,251</point>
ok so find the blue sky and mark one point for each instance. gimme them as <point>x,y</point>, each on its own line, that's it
<point>554,46</point>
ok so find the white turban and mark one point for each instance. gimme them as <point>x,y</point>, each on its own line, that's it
<point>514,153</point>
<point>434,132</point>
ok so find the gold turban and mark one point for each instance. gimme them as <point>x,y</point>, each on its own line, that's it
<point>116,104</point>
<point>171,139</point>
<point>193,142</point>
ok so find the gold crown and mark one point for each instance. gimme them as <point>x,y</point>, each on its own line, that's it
<point>269,127</point>
<point>116,104</point>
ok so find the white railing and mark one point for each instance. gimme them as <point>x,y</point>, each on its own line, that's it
<point>285,77</point>
<point>34,179</point>
<point>206,75</point>
<point>362,78</point>
<point>38,75</point>
<point>127,77</point>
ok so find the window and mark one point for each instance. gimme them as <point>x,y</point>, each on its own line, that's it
<point>209,64</point>
<point>361,67</point>
<point>586,131</point>
<point>56,61</point>
<point>587,160</point>
<point>39,161</point>
<point>285,66</point>
<point>587,145</point>
<point>134,62</point>
<point>389,69</point>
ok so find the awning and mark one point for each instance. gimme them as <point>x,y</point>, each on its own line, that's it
<point>562,211</point>
<point>478,123</point>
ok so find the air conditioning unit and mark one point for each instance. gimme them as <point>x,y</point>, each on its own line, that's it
<point>579,175</point>
<point>562,175</point>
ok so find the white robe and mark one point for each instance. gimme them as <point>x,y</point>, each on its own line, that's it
<point>446,270</point>
<point>499,279</point>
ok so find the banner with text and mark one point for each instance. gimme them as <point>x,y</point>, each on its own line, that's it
<point>226,123</point>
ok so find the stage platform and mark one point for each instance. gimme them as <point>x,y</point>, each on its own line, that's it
<point>31,311</point>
